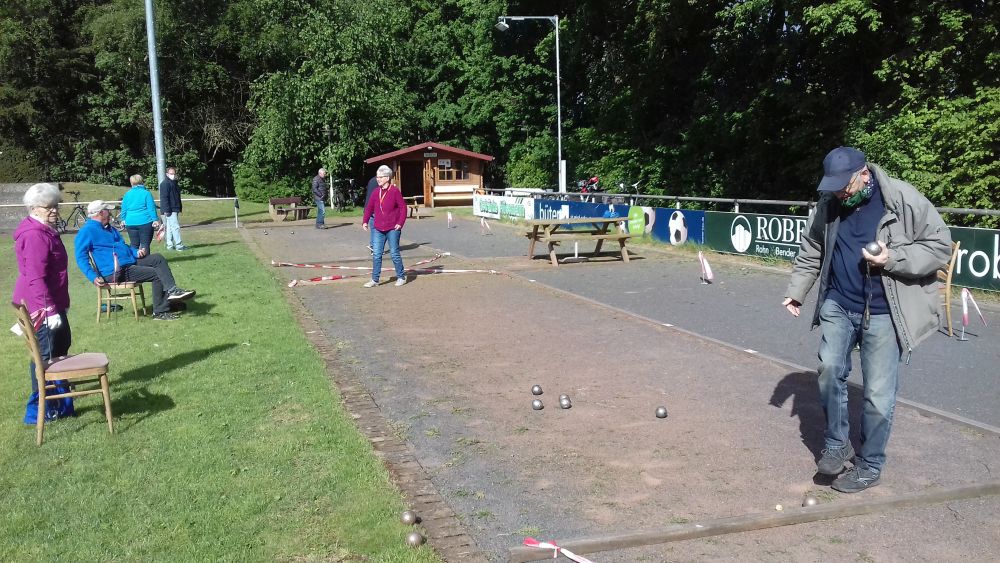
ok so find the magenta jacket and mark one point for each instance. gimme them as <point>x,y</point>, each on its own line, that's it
<point>388,207</point>
<point>41,267</point>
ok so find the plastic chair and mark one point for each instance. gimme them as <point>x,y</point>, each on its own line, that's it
<point>77,369</point>
<point>944,276</point>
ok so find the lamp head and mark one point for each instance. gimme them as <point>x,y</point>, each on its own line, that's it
<point>502,24</point>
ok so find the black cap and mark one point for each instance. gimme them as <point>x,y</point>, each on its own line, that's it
<point>839,166</point>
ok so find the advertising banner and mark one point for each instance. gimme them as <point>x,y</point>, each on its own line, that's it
<point>766,236</point>
<point>978,263</point>
<point>502,207</point>
<point>673,226</point>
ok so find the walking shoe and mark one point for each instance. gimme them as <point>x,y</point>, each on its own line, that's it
<point>165,317</point>
<point>320,226</point>
<point>400,281</point>
<point>856,479</point>
<point>180,248</point>
<point>370,283</point>
<point>833,460</point>
<point>178,294</point>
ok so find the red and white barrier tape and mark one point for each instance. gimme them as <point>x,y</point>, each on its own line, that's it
<point>277,264</point>
<point>966,297</point>
<point>556,550</point>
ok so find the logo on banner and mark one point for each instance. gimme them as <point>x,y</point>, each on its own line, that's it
<point>678,227</point>
<point>741,233</point>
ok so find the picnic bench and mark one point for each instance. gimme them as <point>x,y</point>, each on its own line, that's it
<point>555,231</point>
<point>413,204</point>
<point>281,208</point>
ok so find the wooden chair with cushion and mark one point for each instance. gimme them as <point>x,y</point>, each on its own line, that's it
<point>77,369</point>
<point>944,277</point>
<point>112,292</point>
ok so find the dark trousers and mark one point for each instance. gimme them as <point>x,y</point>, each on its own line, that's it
<point>152,268</point>
<point>140,236</point>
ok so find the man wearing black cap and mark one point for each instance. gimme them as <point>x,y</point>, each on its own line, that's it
<point>879,301</point>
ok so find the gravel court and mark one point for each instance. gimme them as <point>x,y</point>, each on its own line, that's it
<point>450,360</point>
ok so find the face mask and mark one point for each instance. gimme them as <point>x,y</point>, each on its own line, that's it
<point>859,197</point>
<point>171,176</point>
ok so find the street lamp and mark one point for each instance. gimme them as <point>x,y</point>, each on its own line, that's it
<point>502,25</point>
<point>154,87</point>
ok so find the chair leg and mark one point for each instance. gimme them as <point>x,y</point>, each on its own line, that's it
<point>100,297</point>
<point>40,422</point>
<point>106,391</point>
<point>947,310</point>
<point>142,298</point>
<point>135,309</point>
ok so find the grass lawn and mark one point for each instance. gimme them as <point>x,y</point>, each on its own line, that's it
<point>230,442</point>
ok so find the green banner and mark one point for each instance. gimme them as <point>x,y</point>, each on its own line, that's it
<point>751,234</point>
<point>978,263</point>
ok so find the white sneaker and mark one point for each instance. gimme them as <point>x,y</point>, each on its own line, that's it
<point>370,283</point>
<point>400,281</point>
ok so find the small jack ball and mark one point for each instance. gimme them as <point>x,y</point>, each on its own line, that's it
<point>537,404</point>
<point>873,248</point>
<point>414,539</point>
<point>536,389</point>
<point>408,517</point>
<point>661,412</point>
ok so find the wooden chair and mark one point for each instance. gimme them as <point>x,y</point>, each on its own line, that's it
<point>112,292</point>
<point>944,277</point>
<point>89,367</point>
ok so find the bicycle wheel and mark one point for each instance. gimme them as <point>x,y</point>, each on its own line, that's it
<point>77,219</point>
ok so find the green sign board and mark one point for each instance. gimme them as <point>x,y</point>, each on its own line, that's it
<point>751,234</point>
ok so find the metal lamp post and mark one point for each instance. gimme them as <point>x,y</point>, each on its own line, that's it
<point>154,86</point>
<point>502,25</point>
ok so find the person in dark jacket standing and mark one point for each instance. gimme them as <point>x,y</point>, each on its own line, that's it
<point>43,285</point>
<point>171,207</point>
<point>319,195</point>
<point>387,209</point>
<point>875,245</point>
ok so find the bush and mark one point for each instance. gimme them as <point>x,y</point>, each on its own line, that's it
<point>19,166</point>
<point>251,187</point>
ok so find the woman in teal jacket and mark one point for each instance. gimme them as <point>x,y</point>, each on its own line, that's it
<point>139,214</point>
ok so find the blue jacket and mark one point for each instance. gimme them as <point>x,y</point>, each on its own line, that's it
<point>105,243</point>
<point>138,207</point>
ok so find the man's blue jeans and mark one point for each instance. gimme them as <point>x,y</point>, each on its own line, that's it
<point>320,212</point>
<point>880,355</point>
<point>379,246</point>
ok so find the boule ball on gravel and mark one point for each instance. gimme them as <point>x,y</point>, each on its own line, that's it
<point>661,412</point>
<point>810,501</point>
<point>414,539</point>
<point>563,396</point>
<point>536,389</point>
<point>564,402</point>
<point>537,405</point>
<point>408,517</point>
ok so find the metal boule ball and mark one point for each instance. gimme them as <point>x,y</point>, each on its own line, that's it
<point>661,412</point>
<point>414,539</point>
<point>537,404</point>
<point>293,232</point>
<point>564,402</point>
<point>873,248</point>
<point>810,501</point>
<point>564,396</point>
<point>408,517</point>
<point>778,507</point>
<point>536,389</point>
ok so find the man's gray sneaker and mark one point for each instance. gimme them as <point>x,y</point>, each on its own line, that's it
<point>856,479</point>
<point>834,459</point>
<point>165,317</point>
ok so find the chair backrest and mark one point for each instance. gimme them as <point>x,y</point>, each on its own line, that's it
<point>945,273</point>
<point>28,329</point>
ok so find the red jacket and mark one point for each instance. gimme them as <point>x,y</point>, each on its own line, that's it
<point>388,206</point>
<point>41,268</point>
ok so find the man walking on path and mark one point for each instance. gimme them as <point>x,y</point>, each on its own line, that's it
<point>319,195</point>
<point>884,301</point>
<point>170,207</point>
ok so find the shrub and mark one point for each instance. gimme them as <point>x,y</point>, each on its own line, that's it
<point>251,187</point>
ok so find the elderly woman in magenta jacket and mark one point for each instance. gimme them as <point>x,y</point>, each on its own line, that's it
<point>42,285</point>
<point>387,206</point>
<point>139,214</point>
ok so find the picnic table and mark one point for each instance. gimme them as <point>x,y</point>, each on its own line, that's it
<point>555,231</point>
<point>413,204</point>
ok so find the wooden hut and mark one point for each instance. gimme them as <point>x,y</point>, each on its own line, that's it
<point>435,173</point>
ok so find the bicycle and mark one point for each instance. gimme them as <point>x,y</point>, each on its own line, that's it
<point>344,199</point>
<point>77,217</point>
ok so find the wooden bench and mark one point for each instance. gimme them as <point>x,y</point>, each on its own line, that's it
<point>281,208</point>
<point>413,204</point>
<point>447,193</point>
<point>555,231</point>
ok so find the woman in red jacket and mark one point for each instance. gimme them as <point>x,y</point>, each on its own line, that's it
<point>386,204</point>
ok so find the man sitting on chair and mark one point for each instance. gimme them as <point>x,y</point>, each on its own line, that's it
<point>117,262</point>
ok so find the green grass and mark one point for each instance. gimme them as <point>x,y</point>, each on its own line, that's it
<point>230,443</point>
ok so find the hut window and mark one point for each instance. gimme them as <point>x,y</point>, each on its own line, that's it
<point>449,169</point>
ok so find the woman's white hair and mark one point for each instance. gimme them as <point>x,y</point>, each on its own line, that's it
<point>135,179</point>
<point>384,172</point>
<point>42,195</point>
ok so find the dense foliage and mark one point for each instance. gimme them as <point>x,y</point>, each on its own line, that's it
<point>713,98</point>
